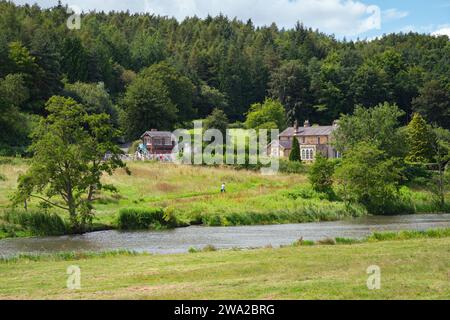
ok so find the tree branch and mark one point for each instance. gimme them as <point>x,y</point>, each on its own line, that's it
<point>48,201</point>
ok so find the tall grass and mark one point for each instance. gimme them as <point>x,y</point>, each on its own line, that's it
<point>68,256</point>
<point>381,236</point>
<point>36,222</point>
<point>406,235</point>
<point>311,212</point>
<point>141,218</point>
<point>278,207</point>
<point>296,167</point>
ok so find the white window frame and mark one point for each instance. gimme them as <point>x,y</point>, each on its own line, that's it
<point>307,154</point>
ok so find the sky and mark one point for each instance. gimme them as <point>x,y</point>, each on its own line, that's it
<point>352,19</point>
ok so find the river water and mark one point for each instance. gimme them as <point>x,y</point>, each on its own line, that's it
<point>181,239</point>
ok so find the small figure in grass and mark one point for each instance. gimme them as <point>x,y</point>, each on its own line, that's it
<point>222,189</point>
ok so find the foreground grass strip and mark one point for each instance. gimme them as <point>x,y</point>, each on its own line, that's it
<point>68,256</point>
<point>319,272</point>
<point>381,236</point>
<point>409,234</point>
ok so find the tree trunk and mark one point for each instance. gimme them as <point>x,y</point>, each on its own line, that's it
<point>72,212</point>
<point>441,187</point>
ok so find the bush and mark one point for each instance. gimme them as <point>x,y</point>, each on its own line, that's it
<point>38,223</point>
<point>415,173</point>
<point>2,177</point>
<point>291,166</point>
<point>209,248</point>
<point>192,250</point>
<point>321,175</point>
<point>306,193</point>
<point>301,242</point>
<point>366,176</point>
<point>9,151</point>
<point>155,218</point>
<point>347,241</point>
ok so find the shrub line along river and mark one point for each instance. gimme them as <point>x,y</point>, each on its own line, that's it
<point>180,240</point>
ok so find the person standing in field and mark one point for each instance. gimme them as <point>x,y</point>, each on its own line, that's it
<point>222,188</point>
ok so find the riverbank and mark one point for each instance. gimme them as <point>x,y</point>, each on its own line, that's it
<point>192,196</point>
<point>295,272</point>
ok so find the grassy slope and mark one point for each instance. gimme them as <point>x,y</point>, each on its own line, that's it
<point>319,272</point>
<point>188,190</point>
<point>193,191</point>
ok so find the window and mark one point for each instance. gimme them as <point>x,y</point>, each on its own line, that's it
<point>307,154</point>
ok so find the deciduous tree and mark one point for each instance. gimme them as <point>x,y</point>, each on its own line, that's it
<point>72,150</point>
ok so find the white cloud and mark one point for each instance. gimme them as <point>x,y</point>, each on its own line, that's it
<point>341,17</point>
<point>393,14</point>
<point>442,31</point>
<point>434,30</point>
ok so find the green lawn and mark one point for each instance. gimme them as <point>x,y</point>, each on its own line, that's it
<point>410,269</point>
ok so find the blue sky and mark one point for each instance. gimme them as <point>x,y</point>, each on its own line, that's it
<point>344,18</point>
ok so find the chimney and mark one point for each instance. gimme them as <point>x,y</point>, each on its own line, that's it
<point>153,130</point>
<point>306,124</point>
<point>295,126</point>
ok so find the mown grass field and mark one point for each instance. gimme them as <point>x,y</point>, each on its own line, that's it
<point>410,269</point>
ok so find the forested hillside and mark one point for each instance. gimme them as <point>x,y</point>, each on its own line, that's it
<point>155,72</point>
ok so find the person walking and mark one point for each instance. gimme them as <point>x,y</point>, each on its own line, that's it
<point>222,188</point>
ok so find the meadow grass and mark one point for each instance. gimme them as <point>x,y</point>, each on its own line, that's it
<point>409,234</point>
<point>68,256</point>
<point>302,272</point>
<point>138,218</point>
<point>380,236</point>
<point>192,195</point>
<point>38,223</point>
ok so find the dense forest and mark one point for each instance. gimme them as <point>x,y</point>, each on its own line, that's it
<point>149,71</point>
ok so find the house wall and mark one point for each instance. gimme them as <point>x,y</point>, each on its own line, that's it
<point>158,145</point>
<point>313,140</point>
<point>319,144</point>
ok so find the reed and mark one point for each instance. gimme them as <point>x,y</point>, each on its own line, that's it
<point>36,222</point>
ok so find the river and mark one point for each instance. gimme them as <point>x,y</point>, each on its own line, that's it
<point>181,239</point>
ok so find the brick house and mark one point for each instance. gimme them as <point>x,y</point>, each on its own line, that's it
<point>312,140</point>
<point>158,142</point>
